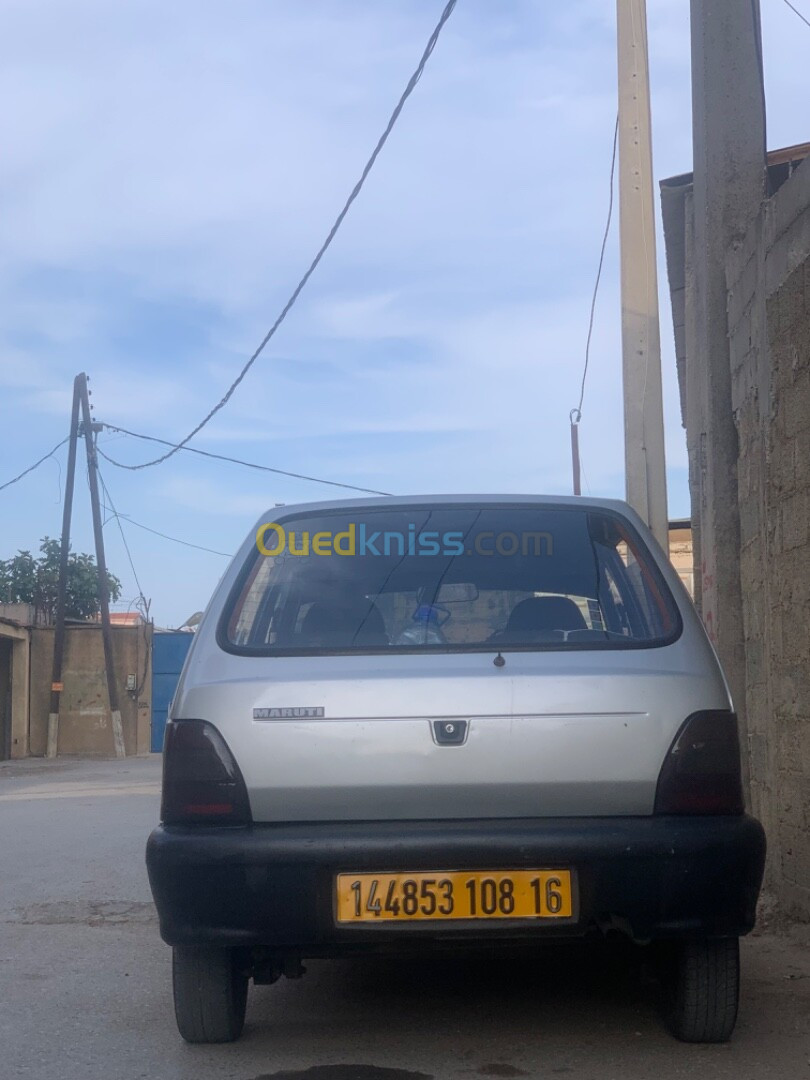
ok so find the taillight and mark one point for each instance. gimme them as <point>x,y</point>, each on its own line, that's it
<point>701,772</point>
<point>201,780</point>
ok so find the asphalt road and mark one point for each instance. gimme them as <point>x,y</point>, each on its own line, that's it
<point>85,979</point>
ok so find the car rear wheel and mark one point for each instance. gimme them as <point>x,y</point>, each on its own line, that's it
<point>210,993</point>
<point>702,986</point>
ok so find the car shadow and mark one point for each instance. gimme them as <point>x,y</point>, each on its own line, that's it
<point>486,1004</point>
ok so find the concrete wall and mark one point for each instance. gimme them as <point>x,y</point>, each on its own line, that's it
<point>768,279</point>
<point>84,725</point>
<point>19,636</point>
<point>23,614</point>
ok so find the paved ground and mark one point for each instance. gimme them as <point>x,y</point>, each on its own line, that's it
<point>84,978</point>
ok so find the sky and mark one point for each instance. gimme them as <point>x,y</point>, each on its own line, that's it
<point>169,171</point>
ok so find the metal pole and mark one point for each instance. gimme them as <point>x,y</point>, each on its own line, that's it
<point>61,591</point>
<point>101,563</point>
<point>645,465</point>
<point>575,453</point>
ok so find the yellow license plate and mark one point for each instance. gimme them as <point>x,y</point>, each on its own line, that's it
<point>457,894</point>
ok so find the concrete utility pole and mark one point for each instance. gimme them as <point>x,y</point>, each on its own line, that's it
<point>61,589</point>
<point>645,465</point>
<point>101,566</point>
<point>728,103</point>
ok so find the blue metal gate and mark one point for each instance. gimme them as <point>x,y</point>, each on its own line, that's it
<point>168,653</point>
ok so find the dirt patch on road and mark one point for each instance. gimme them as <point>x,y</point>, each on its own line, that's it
<point>87,913</point>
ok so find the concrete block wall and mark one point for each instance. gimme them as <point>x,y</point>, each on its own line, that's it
<point>84,725</point>
<point>768,277</point>
<point>18,639</point>
<point>788,483</point>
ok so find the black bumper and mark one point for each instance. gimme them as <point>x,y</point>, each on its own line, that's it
<point>271,886</point>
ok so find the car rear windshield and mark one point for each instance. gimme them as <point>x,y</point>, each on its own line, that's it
<point>456,579</point>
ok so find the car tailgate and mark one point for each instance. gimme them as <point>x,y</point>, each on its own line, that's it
<point>548,733</point>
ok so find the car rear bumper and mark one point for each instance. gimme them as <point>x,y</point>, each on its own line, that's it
<point>272,886</point>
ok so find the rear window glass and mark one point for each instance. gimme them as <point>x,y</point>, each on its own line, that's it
<point>456,578</point>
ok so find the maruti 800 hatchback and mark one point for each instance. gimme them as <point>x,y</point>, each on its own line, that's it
<point>438,723</point>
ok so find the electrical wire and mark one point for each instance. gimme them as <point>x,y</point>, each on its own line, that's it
<point>36,464</point>
<point>577,412</point>
<point>141,603</point>
<point>796,11</point>
<point>237,461</point>
<point>117,517</point>
<point>299,288</point>
<point>174,539</point>
<point>137,605</point>
<point>58,481</point>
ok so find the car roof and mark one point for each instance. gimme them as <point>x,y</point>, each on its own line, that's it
<point>366,502</point>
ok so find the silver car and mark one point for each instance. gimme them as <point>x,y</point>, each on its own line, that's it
<point>447,722</point>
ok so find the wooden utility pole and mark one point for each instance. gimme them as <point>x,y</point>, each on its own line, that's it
<point>101,564</point>
<point>645,465</point>
<point>61,590</point>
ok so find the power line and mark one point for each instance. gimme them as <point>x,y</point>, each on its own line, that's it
<point>140,603</point>
<point>796,11</point>
<point>299,288</point>
<point>233,461</point>
<point>174,539</point>
<point>117,517</point>
<point>36,464</point>
<point>578,411</point>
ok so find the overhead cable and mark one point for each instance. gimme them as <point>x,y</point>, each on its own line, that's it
<point>796,11</point>
<point>117,516</point>
<point>36,464</point>
<point>237,461</point>
<point>174,539</point>
<point>299,288</point>
<point>576,414</point>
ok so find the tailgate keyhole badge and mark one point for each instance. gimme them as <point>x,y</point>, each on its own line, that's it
<point>450,732</point>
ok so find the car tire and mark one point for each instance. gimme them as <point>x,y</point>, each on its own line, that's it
<point>210,993</point>
<point>702,986</point>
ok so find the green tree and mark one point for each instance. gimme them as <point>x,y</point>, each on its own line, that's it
<point>25,579</point>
